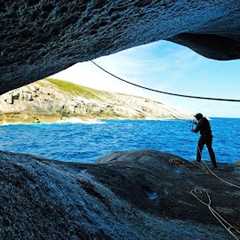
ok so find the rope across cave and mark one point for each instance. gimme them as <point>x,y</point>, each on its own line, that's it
<point>165,92</point>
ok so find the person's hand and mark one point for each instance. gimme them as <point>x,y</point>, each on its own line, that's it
<point>195,122</point>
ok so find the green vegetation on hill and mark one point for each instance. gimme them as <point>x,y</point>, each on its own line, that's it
<point>51,100</point>
<point>75,89</point>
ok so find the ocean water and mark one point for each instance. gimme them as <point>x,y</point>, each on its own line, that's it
<point>87,141</point>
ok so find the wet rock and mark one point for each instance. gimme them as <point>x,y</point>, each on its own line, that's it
<point>127,195</point>
<point>39,38</point>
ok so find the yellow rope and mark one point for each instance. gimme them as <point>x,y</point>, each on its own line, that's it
<point>219,178</point>
<point>228,226</point>
<point>200,191</point>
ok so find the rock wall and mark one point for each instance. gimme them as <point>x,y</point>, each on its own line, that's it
<point>39,38</point>
<point>128,195</point>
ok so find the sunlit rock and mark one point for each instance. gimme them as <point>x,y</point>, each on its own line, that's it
<point>52,100</point>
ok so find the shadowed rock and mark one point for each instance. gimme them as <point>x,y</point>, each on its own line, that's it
<point>127,195</point>
<point>39,38</point>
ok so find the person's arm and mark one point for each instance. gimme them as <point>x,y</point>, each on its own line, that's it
<point>198,127</point>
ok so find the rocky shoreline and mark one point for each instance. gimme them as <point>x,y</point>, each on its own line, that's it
<point>54,119</point>
<point>126,195</point>
<point>8,119</point>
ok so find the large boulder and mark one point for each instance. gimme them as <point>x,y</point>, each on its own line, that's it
<point>39,38</point>
<point>127,195</point>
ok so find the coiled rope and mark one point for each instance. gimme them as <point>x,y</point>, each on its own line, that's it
<point>228,226</point>
<point>233,231</point>
<point>164,92</point>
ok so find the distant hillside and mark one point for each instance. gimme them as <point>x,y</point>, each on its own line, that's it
<point>77,90</point>
<point>52,100</point>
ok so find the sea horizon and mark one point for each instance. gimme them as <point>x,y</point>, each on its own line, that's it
<point>88,141</point>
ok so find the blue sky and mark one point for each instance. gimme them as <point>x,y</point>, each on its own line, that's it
<point>169,67</point>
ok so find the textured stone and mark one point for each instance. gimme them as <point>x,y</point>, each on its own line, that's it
<point>127,195</point>
<point>39,38</point>
<point>45,101</point>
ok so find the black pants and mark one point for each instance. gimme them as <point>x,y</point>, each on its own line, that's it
<point>208,141</point>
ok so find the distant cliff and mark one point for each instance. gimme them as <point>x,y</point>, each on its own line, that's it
<point>52,100</point>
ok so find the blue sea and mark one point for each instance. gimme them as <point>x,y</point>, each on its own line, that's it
<point>86,142</point>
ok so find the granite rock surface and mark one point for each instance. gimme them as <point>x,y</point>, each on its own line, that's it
<point>42,37</point>
<point>127,195</point>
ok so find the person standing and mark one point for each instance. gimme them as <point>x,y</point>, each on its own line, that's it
<point>203,126</point>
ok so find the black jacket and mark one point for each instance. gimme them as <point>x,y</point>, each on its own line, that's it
<point>204,127</point>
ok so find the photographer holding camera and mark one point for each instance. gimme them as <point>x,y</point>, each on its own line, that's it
<point>203,126</point>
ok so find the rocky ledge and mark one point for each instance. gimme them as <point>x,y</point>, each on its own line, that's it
<point>127,195</point>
